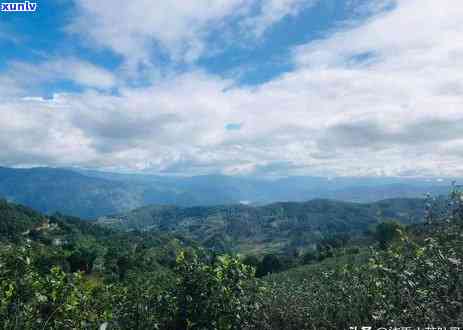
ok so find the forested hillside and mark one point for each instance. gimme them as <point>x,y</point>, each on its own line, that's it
<point>62,273</point>
<point>53,190</point>
<point>75,244</point>
<point>273,228</point>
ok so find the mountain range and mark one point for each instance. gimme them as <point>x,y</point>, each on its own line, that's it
<point>91,194</point>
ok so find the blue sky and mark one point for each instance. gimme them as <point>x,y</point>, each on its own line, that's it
<point>325,87</point>
<point>39,36</point>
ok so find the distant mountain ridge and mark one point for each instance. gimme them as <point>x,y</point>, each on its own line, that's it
<point>90,194</point>
<point>51,190</point>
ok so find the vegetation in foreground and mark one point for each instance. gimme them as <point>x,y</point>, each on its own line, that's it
<point>411,277</point>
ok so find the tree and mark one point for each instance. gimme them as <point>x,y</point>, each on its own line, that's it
<point>387,232</point>
<point>270,264</point>
<point>213,296</point>
<point>30,299</point>
<point>309,257</point>
<point>82,259</point>
<point>252,261</point>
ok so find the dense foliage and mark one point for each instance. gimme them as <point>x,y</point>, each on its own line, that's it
<point>96,277</point>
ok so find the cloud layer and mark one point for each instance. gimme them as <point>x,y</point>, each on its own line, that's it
<point>383,97</point>
<point>179,29</point>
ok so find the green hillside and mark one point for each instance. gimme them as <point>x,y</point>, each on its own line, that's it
<point>78,245</point>
<point>272,228</point>
<point>63,273</point>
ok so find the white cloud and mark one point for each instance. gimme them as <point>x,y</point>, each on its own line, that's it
<point>70,69</point>
<point>272,11</point>
<point>382,98</point>
<point>134,28</point>
<point>137,29</point>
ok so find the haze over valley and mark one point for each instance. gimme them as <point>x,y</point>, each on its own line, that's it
<point>91,194</point>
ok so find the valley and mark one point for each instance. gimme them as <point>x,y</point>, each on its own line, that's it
<point>274,228</point>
